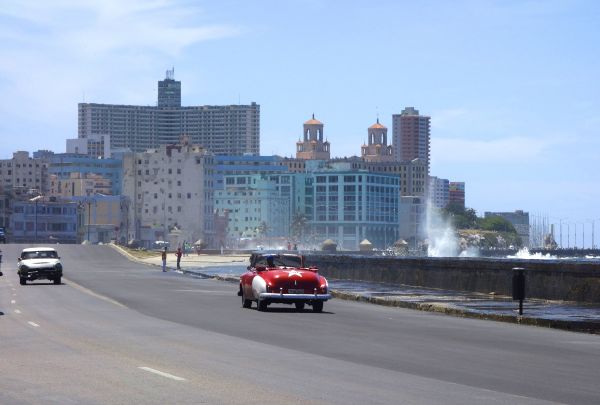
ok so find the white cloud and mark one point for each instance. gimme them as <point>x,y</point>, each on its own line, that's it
<point>458,150</point>
<point>449,117</point>
<point>53,52</point>
<point>93,29</point>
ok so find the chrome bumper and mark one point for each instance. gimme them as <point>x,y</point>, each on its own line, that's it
<point>294,297</point>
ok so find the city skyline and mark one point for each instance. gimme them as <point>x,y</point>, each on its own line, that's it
<point>511,87</point>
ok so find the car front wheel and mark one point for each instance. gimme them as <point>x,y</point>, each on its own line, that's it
<point>22,281</point>
<point>318,306</point>
<point>57,280</point>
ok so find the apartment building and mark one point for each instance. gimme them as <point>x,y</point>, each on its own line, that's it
<point>171,194</point>
<point>222,130</point>
<point>439,192</point>
<point>46,220</point>
<point>72,174</point>
<point>24,172</point>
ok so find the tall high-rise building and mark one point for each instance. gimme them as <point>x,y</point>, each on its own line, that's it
<point>313,147</point>
<point>169,91</point>
<point>223,130</point>
<point>411,135</point>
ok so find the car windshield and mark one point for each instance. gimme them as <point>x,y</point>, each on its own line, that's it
<point>280,261</point>
<point>40,254</point>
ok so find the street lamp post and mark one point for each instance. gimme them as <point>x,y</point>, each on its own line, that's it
<point>35,213</point>
<point>35,216</point>
<point>89,220</point>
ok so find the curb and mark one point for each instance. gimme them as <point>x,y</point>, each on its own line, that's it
<point>573,326</point>
<point>135,259</point>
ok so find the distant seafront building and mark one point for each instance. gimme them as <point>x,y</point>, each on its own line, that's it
<point>223,130</point>
<point>519,219</point>
<point>349,205</point>
<point>411,135</point>
<point>439,192</point>
<point>456,193</point>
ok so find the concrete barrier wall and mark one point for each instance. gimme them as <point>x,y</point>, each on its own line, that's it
<point>545,279</point>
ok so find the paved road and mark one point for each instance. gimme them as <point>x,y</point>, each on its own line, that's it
<point>121,332</point>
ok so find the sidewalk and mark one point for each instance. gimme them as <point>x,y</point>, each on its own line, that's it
<point>198,261</point>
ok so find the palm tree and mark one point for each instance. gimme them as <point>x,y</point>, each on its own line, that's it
<point>263,229</point>
<point>298,228</point>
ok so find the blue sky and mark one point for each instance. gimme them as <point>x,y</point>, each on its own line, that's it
<point>512,87</point>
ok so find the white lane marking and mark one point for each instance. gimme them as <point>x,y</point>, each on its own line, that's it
<point>206,291</point>
<point>13,301</point>
<point>90,292</point>
<point>579,342</point>
<point>35,325</point>
<point>163,374</point>
<point>14,289</point>
<point>17,311</point>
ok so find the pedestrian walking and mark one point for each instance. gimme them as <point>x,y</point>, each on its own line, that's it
<point>164,259</point>
<point>178,254</point>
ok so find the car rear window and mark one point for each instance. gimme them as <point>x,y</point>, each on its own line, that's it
<point>281,261</point>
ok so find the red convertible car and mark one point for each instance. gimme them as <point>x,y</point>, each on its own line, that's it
<point>282,278</point>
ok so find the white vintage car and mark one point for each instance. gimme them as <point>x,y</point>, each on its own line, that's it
<point>39,263</point>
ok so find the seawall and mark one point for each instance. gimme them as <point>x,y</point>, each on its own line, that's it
<point>545,279</point>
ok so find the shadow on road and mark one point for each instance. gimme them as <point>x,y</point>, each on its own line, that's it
<point>31,283</point>
<point>284,310</point>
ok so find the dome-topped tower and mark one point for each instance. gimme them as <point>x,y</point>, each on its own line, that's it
<point>377,149</point>
<point>313,147</point>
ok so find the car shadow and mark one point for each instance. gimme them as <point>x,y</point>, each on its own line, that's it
<point>34,283</point>
<point>284,310</point>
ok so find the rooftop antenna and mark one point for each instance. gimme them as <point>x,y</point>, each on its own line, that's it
<point>170,74</point>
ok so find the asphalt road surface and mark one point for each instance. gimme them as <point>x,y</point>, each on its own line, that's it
<point>120,332</point>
